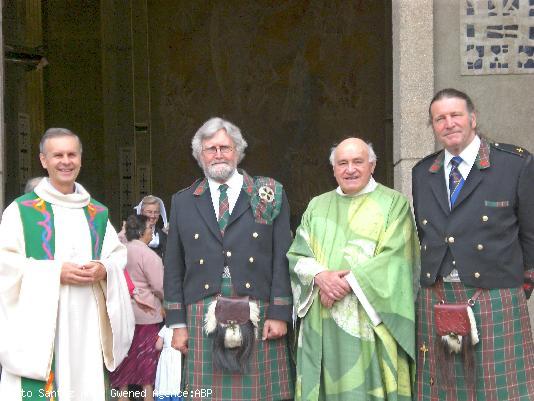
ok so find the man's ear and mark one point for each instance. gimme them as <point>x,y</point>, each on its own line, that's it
<point>473,120</point>
<point>43,160</point>
<point>373,168</point>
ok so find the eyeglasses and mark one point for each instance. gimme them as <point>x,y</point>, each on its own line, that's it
<point>212,150</point>
<point>151,213</point>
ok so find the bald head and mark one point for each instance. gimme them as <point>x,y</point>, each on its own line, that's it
<point>370,150</point>
<point>353,162</point>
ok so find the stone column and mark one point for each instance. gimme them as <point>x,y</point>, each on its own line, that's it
<point>413,86</point>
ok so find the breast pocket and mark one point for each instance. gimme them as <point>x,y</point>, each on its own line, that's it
<point>498,219</point>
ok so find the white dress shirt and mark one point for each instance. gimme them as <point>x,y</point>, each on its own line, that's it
<point>235,184</point>
<point>468,155</point>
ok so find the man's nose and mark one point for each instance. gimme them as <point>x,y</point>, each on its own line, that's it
<point>448,121</point>
<point>351,167</point>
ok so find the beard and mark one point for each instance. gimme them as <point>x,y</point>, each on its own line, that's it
<point>219,172</point>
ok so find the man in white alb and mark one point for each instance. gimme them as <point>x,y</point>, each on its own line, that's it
<point>65,312</point>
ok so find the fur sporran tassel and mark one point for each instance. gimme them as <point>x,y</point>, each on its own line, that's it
<point>445,358</point>
<point>468,353</point>
<point>444,362</point>
<point>474,330</point>
<point>452,343</point>
<point>451,346</point>
<point>233,342</point>
<point>233,360</point>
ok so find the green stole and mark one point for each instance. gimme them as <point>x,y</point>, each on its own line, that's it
<point>38,225</point>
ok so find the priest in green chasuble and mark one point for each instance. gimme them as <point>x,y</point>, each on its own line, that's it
<point>352,266</point>
<point>65,310</point>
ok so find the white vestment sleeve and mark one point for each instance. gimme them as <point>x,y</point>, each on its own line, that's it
<point>118,329</point>
<point>371,312</point>
<point>308,267</point>
<point>29,295</point>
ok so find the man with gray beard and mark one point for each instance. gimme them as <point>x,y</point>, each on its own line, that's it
<point>226,283</point>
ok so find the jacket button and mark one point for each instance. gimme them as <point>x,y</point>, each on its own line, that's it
<point>477,275</point>
<point>428,275</point>
<point>247,285</point>
<point>425,221</point>
<point>480,247</point>
<point>450,240</point>
<point>206,286</point>
<point>251,259</point>
<point>485,218</point>
<point>255,235</point>
<point>454,263</point>
<point>424,247</point>
<point>201,261</point>
<point>228,253</point>
<point>196,236</point>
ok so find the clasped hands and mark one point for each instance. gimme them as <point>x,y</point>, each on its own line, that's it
<point>85,274</point>
<point>333,286</point>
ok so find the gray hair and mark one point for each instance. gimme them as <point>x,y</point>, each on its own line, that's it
<point>370,150</point>
<point>149,200</point>
<point>209,128</point>
<point>56,133</point>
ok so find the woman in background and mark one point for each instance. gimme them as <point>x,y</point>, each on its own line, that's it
<point>152,207</point>
<point>146,271</point>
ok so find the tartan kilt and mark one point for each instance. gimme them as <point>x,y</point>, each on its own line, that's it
<point>504,357</point>
<point>271,375</point>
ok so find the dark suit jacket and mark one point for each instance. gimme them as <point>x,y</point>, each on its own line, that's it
<point>196,252</point>
<point>489,232</point>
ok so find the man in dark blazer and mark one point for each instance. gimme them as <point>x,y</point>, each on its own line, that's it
<point>474,210</point>
<point>229,234</point>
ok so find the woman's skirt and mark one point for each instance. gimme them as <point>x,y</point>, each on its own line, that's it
<point>139,367</point>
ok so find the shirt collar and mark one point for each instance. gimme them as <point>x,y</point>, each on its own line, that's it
<point>468,155</point>
<point>235,182</point>
<point>370,187</point>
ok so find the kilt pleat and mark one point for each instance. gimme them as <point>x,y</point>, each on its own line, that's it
<point>270,376</point>
<point>504,355</point>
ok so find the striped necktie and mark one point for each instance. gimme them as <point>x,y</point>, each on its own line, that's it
<point>224,208</point>
<point>456,181</point>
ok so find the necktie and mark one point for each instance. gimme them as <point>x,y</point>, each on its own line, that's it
<point>456,181</point>
<point>224,208</point>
